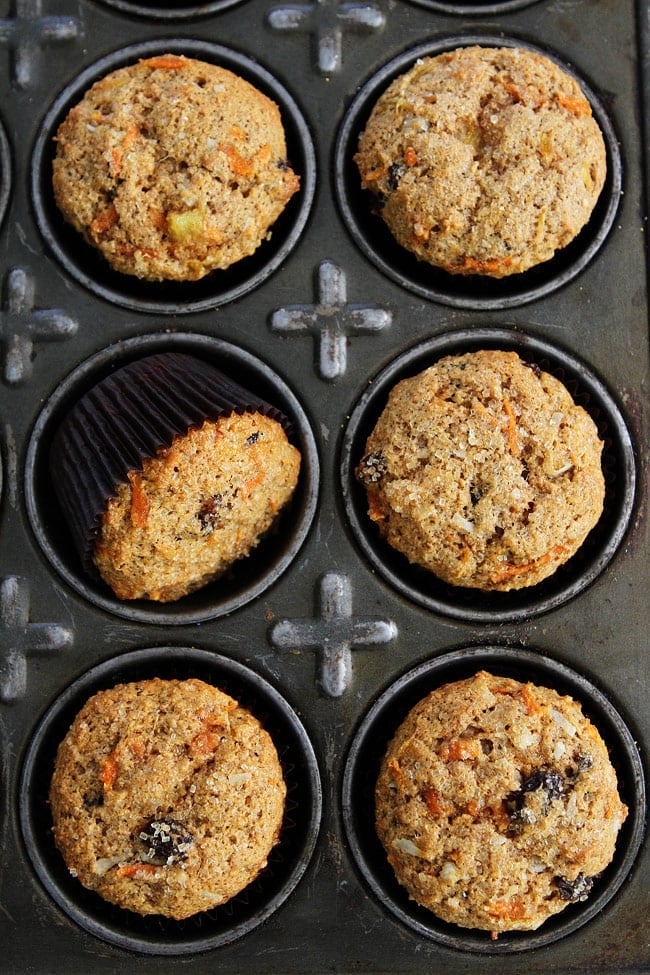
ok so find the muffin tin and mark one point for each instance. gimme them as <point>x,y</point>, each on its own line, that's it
<point>324,633</point>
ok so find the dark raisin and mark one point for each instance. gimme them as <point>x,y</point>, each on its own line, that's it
<point>395,173</point>
<point>254,437</point>
<point>546,781</point>
<point>584,762</point>
<point>551,782</point>
<point>574,890</point>
<point>475,494</point>
<point>372,468</point>
<point>534,368</point>
<point>283,164</point>
<point>167,841</point>
<point>208,513</point>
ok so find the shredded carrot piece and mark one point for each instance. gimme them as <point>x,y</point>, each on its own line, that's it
<point>139,502</point>
<point>527,696</point>
<point>510,910</point>
<point>204,744</point>
<point>461,749</point>
<point>109,770</point>
<point>375,508</point>
<point>118,152</point>
<point>239,165</point>
<point>104,221</point>
<point>471,266</point>
<point>410,156</point>
<point>237,132</point>
<point>398,774</point>
<point>136,869</point>
<point>511,429</point>
<point>575,105</point>
<point>170,62</point>
<point>509,570</point>
<point>436,805</point>
<point>374,174</point>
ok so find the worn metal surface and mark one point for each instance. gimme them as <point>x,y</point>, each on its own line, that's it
<point>322,630</point>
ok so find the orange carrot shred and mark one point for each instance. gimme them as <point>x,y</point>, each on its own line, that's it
<point>139,502</point>
<point>509,570</point>
<point>170,62</point>
<point>108,774</point>
<point>135,869</point>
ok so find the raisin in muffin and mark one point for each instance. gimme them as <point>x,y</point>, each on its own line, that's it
<point>172,168</point>
<point>497,803</point>
<point>483,160</point>
<point>167,797</point>
<point>483,470</point>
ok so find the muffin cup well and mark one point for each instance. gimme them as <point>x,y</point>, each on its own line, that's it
<point>169,9</point>
<point>287,861</point>
<point>475,6</point>
<point>87,266</point>
<point>600,546</point>
<point>248,577</point>
<point>372,236</point>
<point>369,745</point>
<point>5,172</point>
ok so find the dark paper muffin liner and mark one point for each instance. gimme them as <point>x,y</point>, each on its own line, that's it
<point>381,722</point>
<point>128,417</point>
<point>121,406</point>
<point>287,862</point>
<point>596,552</point>
<point>376,242</point>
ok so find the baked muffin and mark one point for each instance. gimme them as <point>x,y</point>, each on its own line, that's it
<point>167,797</point>
<point>483,160</point>
<point>172,168</point>
<point>497,803</point>
<point>167,473</point>
<point>482,470</point>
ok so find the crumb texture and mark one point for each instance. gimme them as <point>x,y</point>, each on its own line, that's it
<point>484,471</point>
<point>497,803</point>
<point>196,507</point>
<point>167,797</point>
<point>483,160</point>
<point>173,168</point>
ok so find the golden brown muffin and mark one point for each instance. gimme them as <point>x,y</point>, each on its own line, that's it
<point>167,797</point>
<point>497,803</point>
<point>484,471</point>
<point>196,507</point>
<point>484,160</point>
<point>173,167</point>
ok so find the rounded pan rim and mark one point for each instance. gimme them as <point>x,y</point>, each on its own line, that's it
<point>259,901</point>
<point>377,244</point>
<point>86,265</point>
<point>250,577</point>
<point>471,605</point>
<point>170,11</point>
<point>489,7</point>
<point>6,172</point>
<point>368,745</point>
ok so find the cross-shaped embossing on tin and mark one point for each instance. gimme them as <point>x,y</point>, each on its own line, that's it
<point>25,31</point>
<point>21,325</point>
<point>327,21</point>
<point>333,633</point>
<point>331,319</point>
<point>19,638</point>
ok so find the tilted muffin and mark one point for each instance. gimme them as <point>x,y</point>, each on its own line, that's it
<point>172,168</point>
<point>167,796</point>
<point>168,472</point>
<point>483,470</point>
<point>484,160</point>
<point>497,803</point>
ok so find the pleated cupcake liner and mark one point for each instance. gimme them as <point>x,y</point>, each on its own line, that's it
<point>128,416</point>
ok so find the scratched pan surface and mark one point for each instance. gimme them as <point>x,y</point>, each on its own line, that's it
<point>326,634</point>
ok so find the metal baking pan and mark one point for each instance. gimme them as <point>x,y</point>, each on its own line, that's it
<point>328,635</point>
